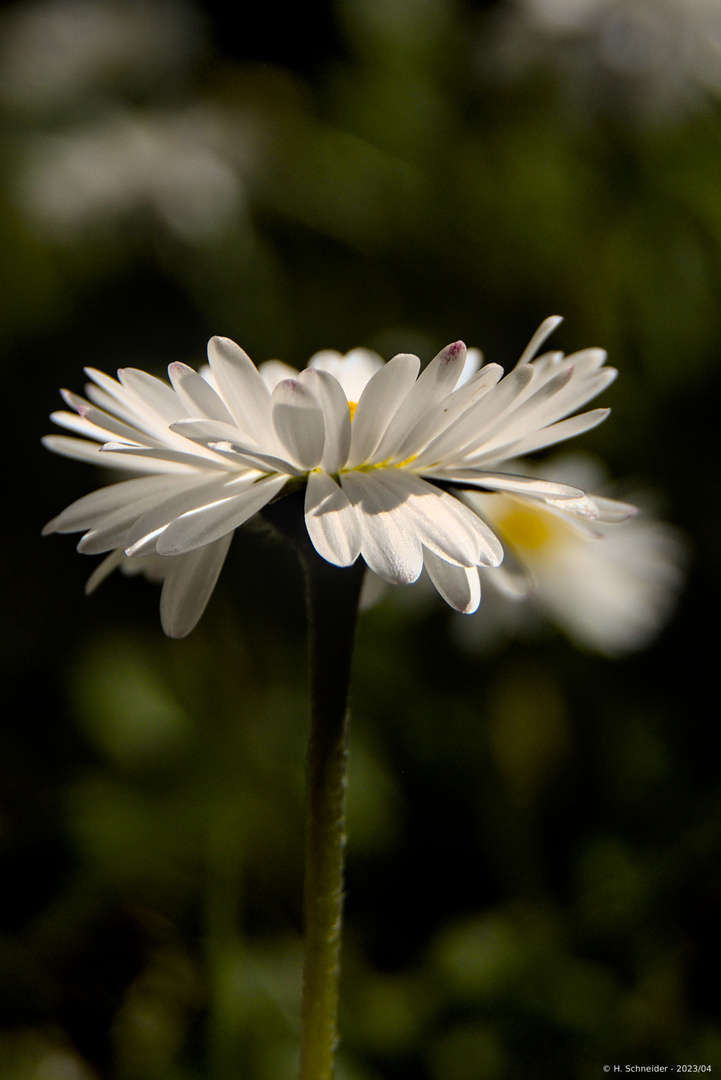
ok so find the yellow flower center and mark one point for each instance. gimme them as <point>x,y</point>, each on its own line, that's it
<point>352,405</point>
<point>529,529</point>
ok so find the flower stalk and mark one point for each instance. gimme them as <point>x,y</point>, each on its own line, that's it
<point>332,607</point>
<point>332,600</point>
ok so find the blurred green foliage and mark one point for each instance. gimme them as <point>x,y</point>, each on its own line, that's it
<point>534,833</point>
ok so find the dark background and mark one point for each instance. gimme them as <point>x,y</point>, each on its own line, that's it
<point>533,865</point>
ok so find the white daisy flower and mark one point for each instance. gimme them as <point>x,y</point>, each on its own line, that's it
<point>609,586</point>
<point>382,451</point>
<point>650,58</point>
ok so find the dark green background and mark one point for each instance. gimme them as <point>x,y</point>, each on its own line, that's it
<point>533,866</point>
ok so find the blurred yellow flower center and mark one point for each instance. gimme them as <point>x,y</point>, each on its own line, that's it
<point>352,405</point>
<point>525,528</point>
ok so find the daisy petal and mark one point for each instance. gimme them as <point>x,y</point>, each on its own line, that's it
<point>544,331</point>
<point>100,419</point>
<point>298,421</point>
<point>353,371</point>
<point>564,429</point>
<point>459,586</point>
<point>242,389</point>
<point>89,511</point>
<point>196,395</point>
<point>155,393</point>
<point>331,520</point>
<point>162,454</point>
<point>391,550</point>
<point>336,417</point>
<point>207,523</point>
<point>85,451</point>
<point>453,441</point>
<point>383,395</point>
<point>522,485</point>
<point>443,524</point>
<point>445,418</point>
<point>226,439</point>
<point>274,371</point>
<point>612,511</point>
<point>189,582</point>
<point>433,385</point>
<point>143,534</point>
<point>104,570</point>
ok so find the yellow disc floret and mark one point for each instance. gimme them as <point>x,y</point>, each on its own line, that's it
<point>526,528</point>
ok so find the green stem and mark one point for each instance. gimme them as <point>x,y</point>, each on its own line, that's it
<point>332,606</point>
<point>332,594</point>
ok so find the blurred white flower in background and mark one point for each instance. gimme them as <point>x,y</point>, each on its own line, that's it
<point>172,165</point>
<point>654,57</point>
<point>53,52</point>
<point>609,586</point>
<point>111,138</point>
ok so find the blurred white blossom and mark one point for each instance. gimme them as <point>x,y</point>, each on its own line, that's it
<point>55,51</point>
<point>610,586</point>
<point>652,57</point>
<point>171,165</point>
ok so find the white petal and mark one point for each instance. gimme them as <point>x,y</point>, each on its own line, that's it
<point>89,511</point>
<point>86,451</point>
<point>511,579</point>
<point>433,385</point>
<point>545,330</point>
<point>521,485</point>
<point>577,391</point>
<point>110,533</point>
<point>372,591</point>
<point>474,360</point>
<point>298,421</point>
<point>389,547</point>
<point>612,511</point>
<point>110,396</point>
<point>152,392</point>
<point>142,401</point>
<point>459,586</point>
<point>274,371</point>
<point>210,430</point>
<point>98,419</point>
<point>588,359</point>
<point>196,395</point>
<point>353,371</point>
<point>336,417</point>
<point>446,418</point>
<point>468,431</point>
<point>242,389</point>
<point>226,439</point>
<point>443,524</point>
<point>142,536</point>
<point>204,460</point>
<point>104,570</point>
<point>189,582</point>
<point>379,401</point>
<point>127,523</point>
<point>331,520</point>
<point>555,433</point>
<point>209,523</point>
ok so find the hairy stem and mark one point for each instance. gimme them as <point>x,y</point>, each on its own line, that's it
<point>332,595</point>
<point>332,606</point>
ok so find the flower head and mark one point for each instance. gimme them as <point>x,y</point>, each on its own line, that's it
<point>382,450</point>
<point>610,583</point>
